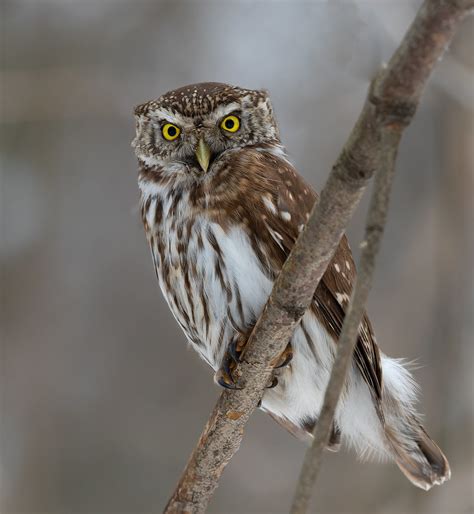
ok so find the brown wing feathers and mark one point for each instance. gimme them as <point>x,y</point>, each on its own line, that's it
<point>287,209</point>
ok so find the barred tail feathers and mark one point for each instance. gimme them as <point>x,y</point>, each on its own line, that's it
<point>416,454</point>
<point>392,430</point>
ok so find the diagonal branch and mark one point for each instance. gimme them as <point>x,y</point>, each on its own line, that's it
<point>375,225</point>
<point>391,104</point>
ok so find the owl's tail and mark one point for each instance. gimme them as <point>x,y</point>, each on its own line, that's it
<point>392,429</point>
<point>417,455</point>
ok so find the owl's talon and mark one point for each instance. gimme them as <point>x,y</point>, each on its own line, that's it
<point>225,382</point>
<point>224,378</point>
<point>223,375</point>
<point>232,357</point>
<point>236,348</point>
<point>273,384</point>
<point>233,352</point>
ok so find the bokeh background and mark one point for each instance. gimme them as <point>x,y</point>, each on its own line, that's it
<point>101,400</point>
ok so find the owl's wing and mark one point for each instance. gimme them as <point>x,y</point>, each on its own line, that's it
<point>288,209</point>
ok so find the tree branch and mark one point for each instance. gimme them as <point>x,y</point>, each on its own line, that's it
<point>390,106</point>
<point>399,80</point>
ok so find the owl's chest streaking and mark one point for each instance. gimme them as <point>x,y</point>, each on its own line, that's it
<point>209,272</point>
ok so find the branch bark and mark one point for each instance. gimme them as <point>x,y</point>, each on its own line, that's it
<point>389,107</point>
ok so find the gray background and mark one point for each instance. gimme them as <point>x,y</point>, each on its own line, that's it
<point>101,401</point>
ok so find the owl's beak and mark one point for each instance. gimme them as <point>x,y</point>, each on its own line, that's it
<point>203,154</point>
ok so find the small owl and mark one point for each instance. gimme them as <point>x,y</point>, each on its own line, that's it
<point>222,207</point>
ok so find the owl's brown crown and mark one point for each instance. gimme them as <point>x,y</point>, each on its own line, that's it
<point>199,99</point>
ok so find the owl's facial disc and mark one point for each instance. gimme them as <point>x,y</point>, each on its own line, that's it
<point>169,139</point>
<point>186,131</point>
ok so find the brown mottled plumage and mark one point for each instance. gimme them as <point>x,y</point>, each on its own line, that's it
<point>222,207</point>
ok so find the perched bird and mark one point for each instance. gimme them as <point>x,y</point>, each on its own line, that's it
<point>222,207</point>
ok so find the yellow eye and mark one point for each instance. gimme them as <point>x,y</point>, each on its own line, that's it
<point>230,123</point>
<point>170,132</point>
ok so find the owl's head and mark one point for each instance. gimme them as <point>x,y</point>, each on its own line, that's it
<point>187,130</point>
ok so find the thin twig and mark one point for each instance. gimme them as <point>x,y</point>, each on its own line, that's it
<point>392,101</point>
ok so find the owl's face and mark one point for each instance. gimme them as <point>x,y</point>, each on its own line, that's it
<point>187,130</point>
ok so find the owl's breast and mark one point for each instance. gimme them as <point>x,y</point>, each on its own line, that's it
<point>210,276</point>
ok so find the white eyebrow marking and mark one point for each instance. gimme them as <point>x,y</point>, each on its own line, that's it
<point>172,117</point>
<point>222,111</point>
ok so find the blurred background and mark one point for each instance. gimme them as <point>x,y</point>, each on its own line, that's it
<point>101,400</point>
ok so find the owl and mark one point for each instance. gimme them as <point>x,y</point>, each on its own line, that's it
<point>222,207</point>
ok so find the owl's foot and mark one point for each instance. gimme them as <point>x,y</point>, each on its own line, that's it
<point>282,361</point>
<point>223,375</point>
<point>236,348</point>
<point>233,355</point>
<point>224,378</point>
<point>273,383</point>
